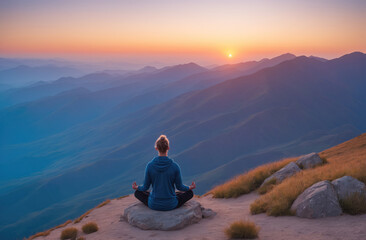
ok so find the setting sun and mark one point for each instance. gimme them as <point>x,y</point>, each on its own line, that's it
<point>230,55</point>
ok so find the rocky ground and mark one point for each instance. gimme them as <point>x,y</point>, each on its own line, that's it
<point>228,210</point>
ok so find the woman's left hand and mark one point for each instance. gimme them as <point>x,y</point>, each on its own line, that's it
<point>193,186</point>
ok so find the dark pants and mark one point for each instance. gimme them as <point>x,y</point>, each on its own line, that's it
<point>181,196</point>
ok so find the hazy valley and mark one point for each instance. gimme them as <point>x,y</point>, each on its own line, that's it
<point>69,143</point>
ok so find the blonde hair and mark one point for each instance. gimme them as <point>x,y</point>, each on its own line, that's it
<point>162,144</point>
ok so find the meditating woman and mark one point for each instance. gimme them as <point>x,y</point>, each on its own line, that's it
<point>163,173</point>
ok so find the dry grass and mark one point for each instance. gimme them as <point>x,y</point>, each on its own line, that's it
<point>354,204</point>
<point>69,233</point>
<point>46,233</point>
<point>348,158</point>
<point>268,186</point>
<point>242,230</point>
<point>81,238</point>
<point>90,227</point>
<point>89,211</point>
<point>121,197</point>
<point>248,182</point>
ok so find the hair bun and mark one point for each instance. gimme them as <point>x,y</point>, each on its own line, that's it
<point>162,143</point>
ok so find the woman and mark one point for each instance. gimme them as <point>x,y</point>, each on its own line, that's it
<point>163,173</point>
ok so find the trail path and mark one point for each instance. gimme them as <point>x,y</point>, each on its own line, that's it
<point>344,227</point>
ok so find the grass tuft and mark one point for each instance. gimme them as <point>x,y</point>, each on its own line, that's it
<point>90,227</point>
<point>249,181</point>
<point>354,204</point>
<point>242,230</point>
<point>345,159</point>
<point>90,210</point>
<point>69,233</point>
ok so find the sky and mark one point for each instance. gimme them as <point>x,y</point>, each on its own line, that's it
<point>204,31</point>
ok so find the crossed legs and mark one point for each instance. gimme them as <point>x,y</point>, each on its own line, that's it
<point>182,197</point>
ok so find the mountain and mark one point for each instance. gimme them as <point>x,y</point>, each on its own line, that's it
<point>237,124</point>
<point>46,116</point>
<point>40,89</point>
<point>194,82</point>
<point>23,75</point>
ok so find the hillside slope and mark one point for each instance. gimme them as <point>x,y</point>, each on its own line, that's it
<point>229,210</point>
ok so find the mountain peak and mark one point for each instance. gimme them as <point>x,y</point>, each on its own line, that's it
<point>354,55</point>
<point>351,57</point>
<point>285,56</point>
<point>147,69</point>
<point>190,65</point>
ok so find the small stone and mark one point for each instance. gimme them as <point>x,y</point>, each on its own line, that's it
<point>285,172</point>
<point>309,161</point>
<point>207,212</point>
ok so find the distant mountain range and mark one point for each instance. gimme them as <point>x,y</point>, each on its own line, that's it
<point>114,96</point>
<point>21,75</point>
<point>220,121</point>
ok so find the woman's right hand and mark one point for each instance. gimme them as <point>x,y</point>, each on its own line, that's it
<point>134,186</point>
<point>192,186</point>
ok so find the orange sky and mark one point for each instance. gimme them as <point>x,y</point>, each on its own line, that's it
<point>190,29</point>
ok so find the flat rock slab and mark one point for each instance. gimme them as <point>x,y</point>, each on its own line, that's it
<point>285,172</point>
<point>141,216</point>
<point>319,200</point>
<point>346,186</point>
<point>309,161</point>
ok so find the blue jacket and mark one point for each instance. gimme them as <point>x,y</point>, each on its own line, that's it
<point>163,173</point>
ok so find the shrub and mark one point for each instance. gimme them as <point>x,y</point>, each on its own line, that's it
<point>242,229</point>
<point>90,227</point>
<point>69,233</point>
<point>354,204</point>
<point>344,159</point>
<point>249,181</point>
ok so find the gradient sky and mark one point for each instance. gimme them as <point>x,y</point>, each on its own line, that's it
<point>189,30</point>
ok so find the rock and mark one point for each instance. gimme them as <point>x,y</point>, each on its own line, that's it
<point>319,200</point>
<point>285,172</point>
<point>345,186</point>
<point>207,212</point>
<point>309,161</point>
<point>145,218</point>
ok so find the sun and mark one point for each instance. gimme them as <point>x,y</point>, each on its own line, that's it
<point>229,55</point>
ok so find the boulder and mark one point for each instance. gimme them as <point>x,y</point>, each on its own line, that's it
<point>285,172</point>
<point>346,186</point>
<point>319,200</point>
<point>145,218</point>
<point>309,161</point>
